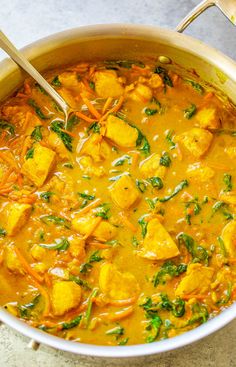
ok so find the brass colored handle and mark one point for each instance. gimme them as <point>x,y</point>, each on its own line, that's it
<point>228,8</point>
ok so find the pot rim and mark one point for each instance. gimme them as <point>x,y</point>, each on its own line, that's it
<point>129,31</point>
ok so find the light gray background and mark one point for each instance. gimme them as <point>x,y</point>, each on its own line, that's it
<point>26,21</point>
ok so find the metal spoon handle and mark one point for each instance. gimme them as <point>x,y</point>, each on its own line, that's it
<point>17,56</point>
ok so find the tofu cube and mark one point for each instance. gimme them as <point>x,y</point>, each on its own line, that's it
<point>121,133</point>
<point>38,168</point>
<point>196,281</point>
<point>55,142</point>
<point>107,84</point>
<point>158,244</point>
<point>16,217</point>
<point>151,167</point>
<point>38,252</point>
<point>231,151</point>
<point>228,197</point>
<point>229,238</point>
<point>208,118</point>
<point>96,147</point>
<point>77,248</point>
<point>200,173</point>
<point>66,295</point>
<point>197,141</point>
<point>124,192</point>
<point>12,262</point>
<point>141,93</point>
<point>84,225</point>
<point>115,284</point>
<point>90,169</point>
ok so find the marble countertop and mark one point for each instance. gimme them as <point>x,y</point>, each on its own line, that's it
<point>25,21</point>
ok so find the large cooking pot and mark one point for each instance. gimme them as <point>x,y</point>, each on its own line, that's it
<point>122,41</point>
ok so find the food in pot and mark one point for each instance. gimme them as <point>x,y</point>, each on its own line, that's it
<point>118,227</point>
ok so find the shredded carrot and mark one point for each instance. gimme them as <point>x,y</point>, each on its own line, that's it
<point>92,229</point>
<point>209,95</point>
<point>175,79</point>
<point>197,296</point>
<point>45,295</point>
<point>27,88</point>
<point>91,108</point>
<point>26,145</point>
<point>26,266</point>
<point>87,208</point>
<point>179,153</point>
<point>27,120</point>
<point>107,104</point>
<point>135,159</point>
<point>122,302</point>
<point>6,176</point>
<point>7,159</point>
<point>69,133</point>
<point>1,256</point>
<point>91,71</point>
<point>22,95</point>
<point>113,109</point>
<point>20,180</point>
<point>127,223</point>
<point>87,86</point>
<point>84,117</point>
<point>186,196</point>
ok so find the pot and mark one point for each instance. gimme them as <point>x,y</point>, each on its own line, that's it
<point>124,41</point>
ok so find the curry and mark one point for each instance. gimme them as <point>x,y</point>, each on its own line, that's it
<point>119,226</point>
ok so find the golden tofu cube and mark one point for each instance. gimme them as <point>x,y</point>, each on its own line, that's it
<point>77,248</point>
<point>55,142</point>
<point>197,141</point>
<point>86,164</point>
<point>69,80</point>
<point>155,81</point>
<point>151,167</point>
<point>231,151</point>
<point>16,217</point>
<point>229,238</point>
<point>84,226</point>
<point>121,133</point>
<point>107,84</point>
<point>228,197</point>
<point>38,168</point>
<point>96,147</point>
<point>208,118</point>
<point>115,284</point>
<point>141,93</point>
<point>196,281</point>
<point>12,262</point>
<point>66,295</point>
<point>158,244</point>
<point>200,173</point>
<point>124,192</point>
<point>38,252</point>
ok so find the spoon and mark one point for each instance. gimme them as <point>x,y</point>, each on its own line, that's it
<point>20,60</point>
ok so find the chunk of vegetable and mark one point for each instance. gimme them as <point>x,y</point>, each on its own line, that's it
<point>198,172</point>
<point>197,141</point>
<point>124,192</point>
<point>152,167</point>
<point>66,295</point>
<point>229,238</point>
<point>84,225</point>
<point>121,133</point>
<point>77,248</point>
<point>208,118</point>
<point>40,165</point>
<point>158,244</point>
<point>16,217</point>
<point>96,147</point>
<point>91,169</point>
<point>141,93</point>
<point>196,281</point>
<point>12,262</point>
<point>55,142</point>
<point>115,284</point>
<point>107,84</point>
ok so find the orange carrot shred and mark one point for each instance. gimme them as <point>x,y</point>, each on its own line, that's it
<point>27,267</point>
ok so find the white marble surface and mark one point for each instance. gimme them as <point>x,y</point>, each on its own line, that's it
<point>26,21</point>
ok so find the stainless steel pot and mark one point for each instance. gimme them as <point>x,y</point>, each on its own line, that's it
<point>122,41</point>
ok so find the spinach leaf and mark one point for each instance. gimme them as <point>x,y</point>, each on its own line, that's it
<point>141,185</point>
<point>177,307</point>
<point>25,310</point>
<point>123,341</point>
<point>56,82</point>
<point>200,314</point>
<point>37,134</point>
<point>30,153</point>
<point>199,253</point>
<point>156,182</point>
<point>58,128</point>
<point>195,85</point>
<point>37,109</point>
<point>177,189</point>
<point>127,64</point>
<point>69,325</point>
<point>60,245</point>
<point>196,209</point>
<point>164,74</point>
<point>168,269</point>
<point>143,225</point>
<point>155,322</point>
<point>103,211</point>
<point>227,297</point>
<point>3,232</point>
<point>165,160</point>
<point>190,111</point>
<point>94,127</point>
<point>117,330</point>
<point>95,257</point>
<point>80,282</point>
<point>72,121</point>
<point>150,111</point>
<point>86,198</point>
<point>120,161</point>
<point>169,139</point>
<point>46,195</point>
<point>228,182</point>
<point>222,246</point>
<point>59,221</point>
<point>90,305</point>
<point>5,125</point>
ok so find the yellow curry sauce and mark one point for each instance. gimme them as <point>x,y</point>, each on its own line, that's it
<point>118,228</point>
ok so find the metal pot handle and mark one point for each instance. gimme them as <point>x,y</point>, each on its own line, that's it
<point>228,8</point>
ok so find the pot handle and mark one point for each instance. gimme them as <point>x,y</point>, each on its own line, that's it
<point>226,6</point>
